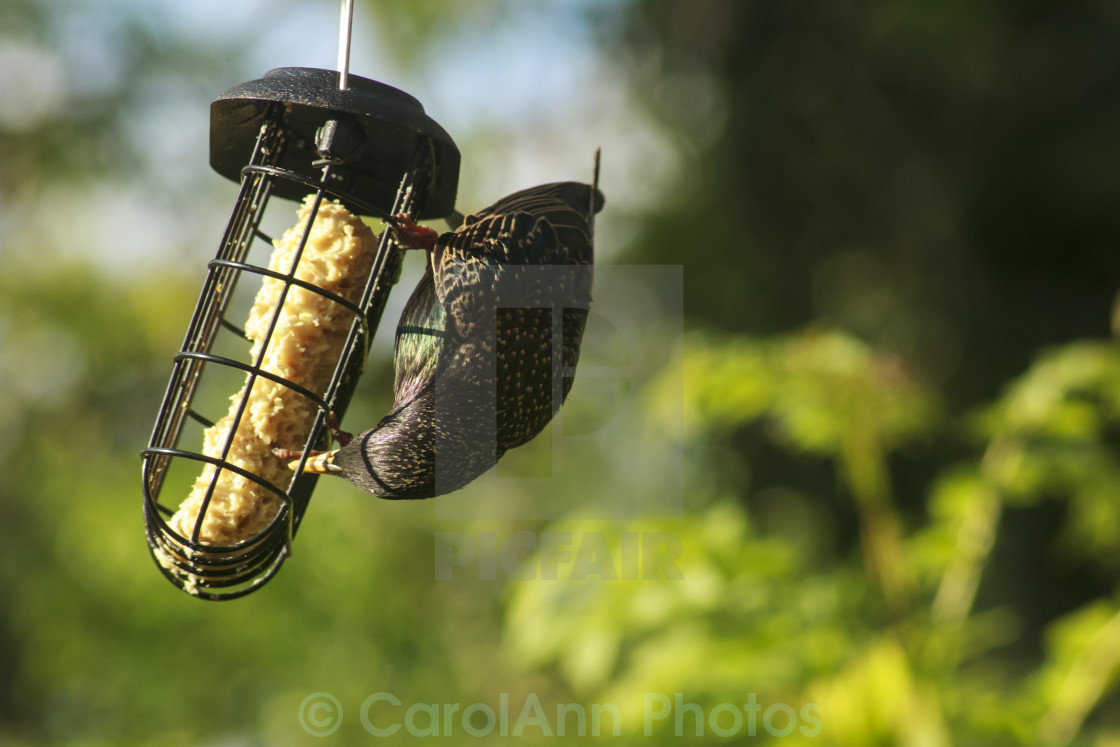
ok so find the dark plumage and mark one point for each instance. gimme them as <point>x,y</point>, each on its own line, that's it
<point>478,367</point>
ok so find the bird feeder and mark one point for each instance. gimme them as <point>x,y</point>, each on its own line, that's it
<point>293,133</point>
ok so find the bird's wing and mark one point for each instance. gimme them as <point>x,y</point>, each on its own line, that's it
<point>495,261</point>
<point>568,207</point>
<point>420,340</point>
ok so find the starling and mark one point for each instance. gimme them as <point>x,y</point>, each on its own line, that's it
<point>486,347</point>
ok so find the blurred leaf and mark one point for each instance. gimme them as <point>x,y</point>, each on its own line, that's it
<point>1067,395</point>
<point>877,699</point>
<point>1083,664</point>
<point>814,387</point>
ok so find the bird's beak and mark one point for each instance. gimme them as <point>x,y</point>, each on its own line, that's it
<point>318,464</point>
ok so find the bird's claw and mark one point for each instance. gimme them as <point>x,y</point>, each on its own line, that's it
<point>411,235</point>
<point>288,455</point>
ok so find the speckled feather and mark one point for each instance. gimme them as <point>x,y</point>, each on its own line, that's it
<point>479,369</point>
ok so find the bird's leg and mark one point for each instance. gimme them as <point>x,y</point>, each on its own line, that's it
<point>343,437</point>
<point>413,236</point>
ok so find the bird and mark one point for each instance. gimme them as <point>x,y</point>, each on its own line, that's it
<point>486,347</point>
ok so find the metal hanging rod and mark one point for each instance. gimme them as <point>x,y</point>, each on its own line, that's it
<point>346,25</point>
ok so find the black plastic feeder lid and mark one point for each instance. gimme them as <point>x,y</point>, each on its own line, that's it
<point>393,122</point>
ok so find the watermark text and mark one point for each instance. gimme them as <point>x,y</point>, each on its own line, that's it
<point>384,714</point>
<point>551,556</point>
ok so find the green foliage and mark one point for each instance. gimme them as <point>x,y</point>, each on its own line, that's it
<point>891,655</point>
<point>1052,436</point>
<point>813,390</point>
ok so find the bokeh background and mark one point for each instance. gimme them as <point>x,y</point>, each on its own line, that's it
<point>860,360</point>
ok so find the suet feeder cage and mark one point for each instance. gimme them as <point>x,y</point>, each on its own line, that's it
<point>293,133</point>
